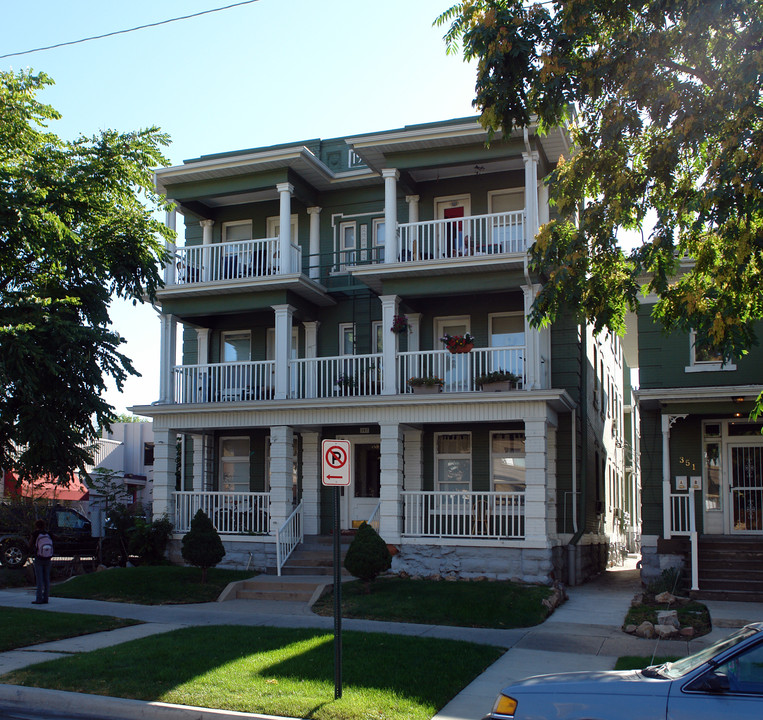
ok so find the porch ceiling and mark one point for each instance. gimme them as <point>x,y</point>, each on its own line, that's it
<point>657,397</point>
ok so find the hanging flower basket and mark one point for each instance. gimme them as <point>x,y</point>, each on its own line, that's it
<point>458,343</point>
<point>399,324</point>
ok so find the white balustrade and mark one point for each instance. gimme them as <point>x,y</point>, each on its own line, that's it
<point>232,513</point>
<point>343,376</point>
<point>288,536</point>
<point>458,370</point>
<point>232,260</point>
<point>493,234</point>
<point>224,382</point>
<point>440,514</point>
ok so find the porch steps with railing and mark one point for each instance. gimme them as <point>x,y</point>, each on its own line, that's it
<point>730,568</point>
<point>315,556</point>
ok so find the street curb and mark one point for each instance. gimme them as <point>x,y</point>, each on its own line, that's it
<point>61,702</point>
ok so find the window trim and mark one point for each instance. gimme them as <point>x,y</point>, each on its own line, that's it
<point>493,455</point>
<point>452,456</point>
<point>226,333</point>
<point>704,365</point>
<point>235,459</point>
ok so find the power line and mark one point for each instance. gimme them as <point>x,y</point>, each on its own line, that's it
<point>129,30</point>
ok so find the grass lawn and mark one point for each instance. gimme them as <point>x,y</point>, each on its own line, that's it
<point>20,627</point>
<point>500,604</point>
<point>276,671</point>
<point>150,585</point>
<point>637,662</point>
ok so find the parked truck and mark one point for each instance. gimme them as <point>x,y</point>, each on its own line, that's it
<point>72,535</point>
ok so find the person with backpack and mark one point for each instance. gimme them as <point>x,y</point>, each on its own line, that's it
<point>43,553</point>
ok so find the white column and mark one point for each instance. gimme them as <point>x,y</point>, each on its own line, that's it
<point>531,195</point>
<point>666,476</point>
<point>389,305</point>
<point>198,463</point>
<point>202,346</point>
<point>282,346</point>
<point>551,491</point>
<point>413,208</point>
<point>315,241</point>
<point>311,482</point>
<point>391,515</point>
<point>281,469</point>
<point>536,465</point>
<point>165,456</point>
<point>532,341</point>
<point>170,220</point>
<point>167,352</point>
<point>284,240</point>
<point>543,209</point>
<point>206,239</point>
<point>413,458</point>
<point>311,351</point>
<point>390,176</point>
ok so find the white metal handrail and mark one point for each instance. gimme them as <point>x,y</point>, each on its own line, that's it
<point>681,507</point>
<point>232,513</point>
<point>444,514</point>
<point>224,382</point>
<point>343,376</point>
<point>493,234</point>
<point>288,536</point>
<point>458,371</point>
<point>374,519</point>
<point>231,260</point>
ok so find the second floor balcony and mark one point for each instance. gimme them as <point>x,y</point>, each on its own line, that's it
<point>345,376</point>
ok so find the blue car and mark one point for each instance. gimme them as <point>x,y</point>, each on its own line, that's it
<point>724,681</point>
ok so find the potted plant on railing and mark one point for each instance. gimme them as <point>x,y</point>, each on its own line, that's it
<point>346,382</point>
<point>497,381</point>
<point>399,324</point>
<point>458,343</point>
<point>424,385</point>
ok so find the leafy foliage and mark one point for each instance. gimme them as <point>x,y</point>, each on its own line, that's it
<point>148,540</point>
<point>202,545</point>
<point>368,555</point>
<point>669,117</point>
<point>76,229</point>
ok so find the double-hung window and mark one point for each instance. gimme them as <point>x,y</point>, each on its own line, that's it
<point>453,461</point>
<point>507,461</point>
<point>704,357</point>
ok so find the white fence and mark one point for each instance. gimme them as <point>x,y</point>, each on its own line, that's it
<point>681,521</point>
<point>464,514</point>
<point>224,382</point>
<point>232,260</point>
<point>344,376</point>
<point>493,234</point>
<point>458,370</point>
<point>232,513</point>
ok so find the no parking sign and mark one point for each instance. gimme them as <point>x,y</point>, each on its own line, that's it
<point>335,466</point>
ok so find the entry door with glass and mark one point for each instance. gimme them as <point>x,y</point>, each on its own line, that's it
<point>746,488</point>
<point>453,368</point>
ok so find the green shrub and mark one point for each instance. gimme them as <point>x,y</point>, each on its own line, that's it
<point>202,545</point>
<point>368,555</point>
<point>149,540</point>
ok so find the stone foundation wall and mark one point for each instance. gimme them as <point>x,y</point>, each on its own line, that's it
<point>239,555</point>
<point>524,565</point>
<point>653,562</point>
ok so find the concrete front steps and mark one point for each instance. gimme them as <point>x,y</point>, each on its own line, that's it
<point>304,578</point>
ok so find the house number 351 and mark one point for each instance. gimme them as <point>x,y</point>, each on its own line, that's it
<point>687,463</point>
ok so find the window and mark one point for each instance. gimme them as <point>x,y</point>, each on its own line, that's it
<point>507,461</point>
<point>704,357</point>
<point>234,464</point>
<point>346,339</point>
<point>236,347</point>
<point>148,453</point>
<point>236,258</point>
<point>453,461</point>
<point>508,331</point>
<point>235,351</point>
<point>378,241</point>
<point>377,334</point>
<point>712,476</point>
<point>507,231</point>
<point>745,671</point>
<point>273,226</point>
<point>347,245</point>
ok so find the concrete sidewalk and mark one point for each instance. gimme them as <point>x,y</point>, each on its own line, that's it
<point>583,634</point>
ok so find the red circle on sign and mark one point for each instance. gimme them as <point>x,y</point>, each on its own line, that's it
<point>336,457</point>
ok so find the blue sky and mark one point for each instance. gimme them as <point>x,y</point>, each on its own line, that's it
<point>270,72</point>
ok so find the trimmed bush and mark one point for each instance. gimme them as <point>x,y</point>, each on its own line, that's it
<point>368,556</point>
<point>202,545</point>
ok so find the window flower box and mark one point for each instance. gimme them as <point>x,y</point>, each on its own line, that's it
<point>497,381</point>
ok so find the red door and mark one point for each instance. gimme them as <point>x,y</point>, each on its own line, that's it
<point>454,232</point>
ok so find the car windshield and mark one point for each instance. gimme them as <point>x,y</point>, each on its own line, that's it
<point>679,668</point>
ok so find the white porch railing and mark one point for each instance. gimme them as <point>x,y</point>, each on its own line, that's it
<point>681,507</point>
<point>494,234</point>
<point>224,382</point>
<point>232,260</point>
<point>459,370</point>
<point>288,536</point>
<point>344,376</point>
<point>232,513</point>
<point>439,514</point>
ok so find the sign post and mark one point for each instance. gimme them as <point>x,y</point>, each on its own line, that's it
<point>335,472</point>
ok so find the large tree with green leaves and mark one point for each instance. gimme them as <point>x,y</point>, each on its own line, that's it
<point>77,229</point>
<point>664,100</point>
